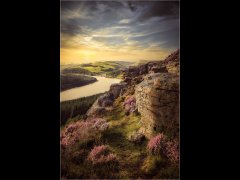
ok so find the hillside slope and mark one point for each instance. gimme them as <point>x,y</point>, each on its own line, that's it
<point>71,80</point>
<point>110,69</point>
<point>132,131</point>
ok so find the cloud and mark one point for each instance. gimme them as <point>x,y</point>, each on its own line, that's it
<point>161,9</point>
<point>102,7</point>
<point>127,29</point>
<point>124,21</point>
<point>88,38</point>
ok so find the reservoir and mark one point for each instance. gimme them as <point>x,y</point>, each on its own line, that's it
<point>101,85</point>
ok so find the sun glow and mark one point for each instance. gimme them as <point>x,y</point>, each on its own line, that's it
<point>78,56</point>
<point>102,32</point>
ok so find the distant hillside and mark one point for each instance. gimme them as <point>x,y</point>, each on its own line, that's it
<point>129,132</point>
<point>76,70</point>
<point>106,68</point>
<point>70,81</point>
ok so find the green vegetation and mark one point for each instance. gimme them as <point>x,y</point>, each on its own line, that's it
<point>76,70</point>
<point>77,108</point>
<point>69,81</point>
<point>130,154</point>
<point>107,68</point>
<point>134,159</point>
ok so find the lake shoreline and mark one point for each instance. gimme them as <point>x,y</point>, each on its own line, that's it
<point>100,86</point>
<point>69,81</point>
<point>82,84</point>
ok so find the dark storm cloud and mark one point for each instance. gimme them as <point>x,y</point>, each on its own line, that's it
<point>139,24</point>
<point>161,9</point>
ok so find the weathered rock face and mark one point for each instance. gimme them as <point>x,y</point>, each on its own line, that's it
<point>135,75</point>
<point>173,67</point>
<point>156,88</point>
<point>96,110</point>
<point>106,100</point>
<point>156,67</point>
<point>143,69</point>
<point>155,85</point>
<point>116,89</point>
<point>101,105</point>
<point>157,99</point>
<point>172,62</point>
<point>174,57</point>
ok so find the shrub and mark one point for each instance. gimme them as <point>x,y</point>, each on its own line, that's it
<point>156,144</point>
<point>101,155</point>
<point>97,152</point>
<point>100,124</point>
<point>160,145</point>
<point>82,131</point>
<point>129,100</point>
<point>172,151</point>
<point>130,104</point>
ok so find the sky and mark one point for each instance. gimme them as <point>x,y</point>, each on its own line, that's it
<point>118,30</point>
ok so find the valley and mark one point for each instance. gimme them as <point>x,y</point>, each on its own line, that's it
<point>110,69</point>
<point>130,131</point>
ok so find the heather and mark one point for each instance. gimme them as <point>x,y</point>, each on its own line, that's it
<point>159,145</point>
<point>83,131</point>
<point>156,144</point>
<point>100,155</point>
<point>129,132</point>
<point>130,104</point>
<point>94,151</point>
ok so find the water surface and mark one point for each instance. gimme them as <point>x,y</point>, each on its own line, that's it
<point>103,84</point>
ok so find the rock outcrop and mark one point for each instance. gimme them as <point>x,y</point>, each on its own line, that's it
<point>105,101</point>
<point>157,97</point>
<point>151,89</point>
<point>96,110</point>
<point>158,103</point>
<point>172,63</point>
<point>117,88</point>
<point>101,105</point>
<point>135,75</point>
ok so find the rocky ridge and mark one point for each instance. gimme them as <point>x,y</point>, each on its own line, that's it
<point>105,102</point>
<point>157,101</point>
<point>143,107</point>
<point>155,86</point>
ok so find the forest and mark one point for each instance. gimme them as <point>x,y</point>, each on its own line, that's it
<point>76,108</point>
<point>69,81</point>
